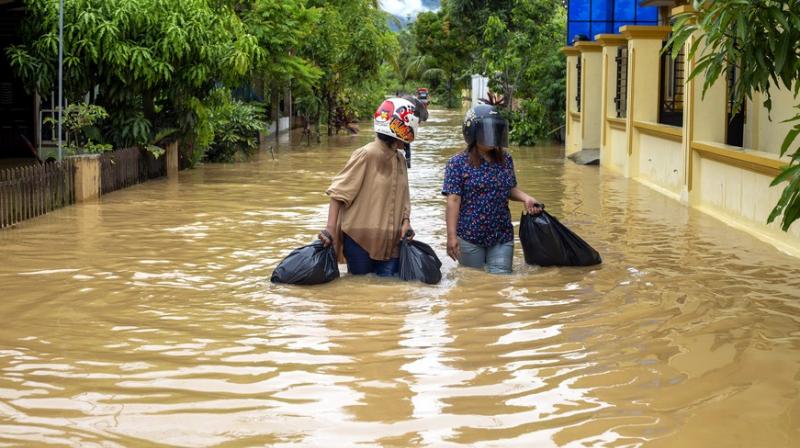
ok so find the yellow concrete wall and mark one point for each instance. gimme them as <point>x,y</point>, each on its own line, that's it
<point>771,133</point>
<point>591,96</point>
<point>574,139</point>
<point>660,162</point>
<point>741,198</point>
<point>751,122</point>
<point>573,132</point>
<point>617,150</point>
<point>607,98</point>
<point>710,111</point>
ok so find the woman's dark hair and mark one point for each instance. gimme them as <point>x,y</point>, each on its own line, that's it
<point>496,155</point>
<point>386,138</point>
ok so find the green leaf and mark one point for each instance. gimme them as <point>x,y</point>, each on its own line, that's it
<point>788,173</point>
<point>787,141</point>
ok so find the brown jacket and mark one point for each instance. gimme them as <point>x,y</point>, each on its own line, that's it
<point>374,189</point>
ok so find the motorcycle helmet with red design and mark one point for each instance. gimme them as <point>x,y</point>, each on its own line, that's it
<point>395,118</point>
<point>483,124</point>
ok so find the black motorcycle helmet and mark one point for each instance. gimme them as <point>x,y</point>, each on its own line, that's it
<point>483,124</point>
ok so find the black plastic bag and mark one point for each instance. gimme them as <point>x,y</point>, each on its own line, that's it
<point>547,242</point>
<point>419,262</point>
<point>308,265</point>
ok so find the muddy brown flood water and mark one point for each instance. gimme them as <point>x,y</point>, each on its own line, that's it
<point>147,319</point>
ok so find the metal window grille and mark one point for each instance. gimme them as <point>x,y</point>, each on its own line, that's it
<point>578,95</point>
<point>621,97</point>
<point>671,88</point>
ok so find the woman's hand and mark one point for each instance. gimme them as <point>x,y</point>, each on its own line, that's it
<point>532,206</point>
<point>326,236</point>
<point>453,248</point>
<point>405,229</point>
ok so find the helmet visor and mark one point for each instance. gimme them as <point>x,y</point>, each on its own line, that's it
<point>492,132</point>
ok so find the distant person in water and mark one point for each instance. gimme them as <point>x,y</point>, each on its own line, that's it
<point>478,183</point>
<point>370,209</point>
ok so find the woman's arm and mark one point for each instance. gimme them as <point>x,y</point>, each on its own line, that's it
<point>330,227</point>
<point>531,204</point>
<point>451,217</point>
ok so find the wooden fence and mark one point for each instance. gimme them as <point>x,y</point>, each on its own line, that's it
<point>27,192</point>
<point>31,191</point>
<point>125,167</point>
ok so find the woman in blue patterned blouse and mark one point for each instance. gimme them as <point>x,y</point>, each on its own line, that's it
<point>478,183</point>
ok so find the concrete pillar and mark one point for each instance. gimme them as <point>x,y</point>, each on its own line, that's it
<point>172,159</point>
<point>644,68</point>
<point>87,177</point>
<point>572,140</point>
<point>610,44</point>
<point>591,93</point>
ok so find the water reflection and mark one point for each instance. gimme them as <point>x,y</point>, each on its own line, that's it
<point>147,318</point>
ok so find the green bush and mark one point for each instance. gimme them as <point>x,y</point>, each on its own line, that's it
<point>235,124</point>
<point>81,130</point>
<point>528,124</point>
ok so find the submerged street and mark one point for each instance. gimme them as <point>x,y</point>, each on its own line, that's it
<point>148,318</point>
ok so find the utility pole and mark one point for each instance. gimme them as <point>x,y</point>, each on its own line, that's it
<point>60,74</point>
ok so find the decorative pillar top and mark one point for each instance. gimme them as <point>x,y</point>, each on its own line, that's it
<point>611,40</point>
<point>588,47</point>
<point>570,51</point>
<point>681,9</point>
<point>645,32</point>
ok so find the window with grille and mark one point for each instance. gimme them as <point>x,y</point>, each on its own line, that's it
<point>579,68</point>
<point>671,89</point>
<point>621,96</point>
<point>736,119</point>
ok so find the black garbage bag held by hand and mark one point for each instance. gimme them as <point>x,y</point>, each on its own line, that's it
<point>419,262</point>
<point>308,265</point>
<point>547,242</point>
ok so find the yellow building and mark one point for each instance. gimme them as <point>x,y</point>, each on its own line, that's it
<point>633,103</point>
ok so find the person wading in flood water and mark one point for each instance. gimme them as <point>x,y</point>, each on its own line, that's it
<point>478,183</point>
<point>370,209</point>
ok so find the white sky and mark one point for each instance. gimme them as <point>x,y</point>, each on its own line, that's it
<point>402,8</point>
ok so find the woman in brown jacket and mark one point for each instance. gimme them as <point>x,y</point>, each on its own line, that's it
<point>370,210</point>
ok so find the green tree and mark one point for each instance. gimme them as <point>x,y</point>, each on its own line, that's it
<point>148,62</point>
<point>761,39</point>
<point>514,43</point>
<point>447,47</point>
<point>350,43</point>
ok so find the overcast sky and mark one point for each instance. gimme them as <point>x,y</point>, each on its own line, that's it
<point>403,8</point>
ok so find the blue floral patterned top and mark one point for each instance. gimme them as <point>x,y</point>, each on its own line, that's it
<point>484,218</point>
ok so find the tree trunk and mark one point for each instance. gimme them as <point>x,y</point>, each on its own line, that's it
<point>450,92</point>
<point>275,94</point>
<point>329,100</point>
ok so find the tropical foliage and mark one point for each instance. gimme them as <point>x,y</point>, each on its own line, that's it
<point>153,64</point>
<point>350,42</point>
<point>81,132</point>
<point>760,38</point>
<point>514,43</point>
<point>235,125</point>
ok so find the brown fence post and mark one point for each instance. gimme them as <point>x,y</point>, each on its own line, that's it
<point>87,177</point>
<point>172,159</point>
<point>3,201</point>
